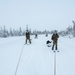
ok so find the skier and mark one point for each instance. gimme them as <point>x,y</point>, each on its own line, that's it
<point>54,38</point>
<point>36,36</point>
<point>46,34</point>
<point>28,37</point>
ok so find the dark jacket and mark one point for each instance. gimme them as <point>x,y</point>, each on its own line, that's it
<point>27,35</point>
<point>55,37</point>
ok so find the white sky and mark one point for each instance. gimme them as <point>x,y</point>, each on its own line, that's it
<point>38,14</point>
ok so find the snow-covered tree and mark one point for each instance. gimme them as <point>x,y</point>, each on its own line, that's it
<point>11,32</point>
<point>5,32</point>
<point>20,31</point>
<point>73,28</point>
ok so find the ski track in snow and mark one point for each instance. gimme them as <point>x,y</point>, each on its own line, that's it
<point>37,58</point>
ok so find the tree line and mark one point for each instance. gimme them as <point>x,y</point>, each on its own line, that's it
<point>19,32</point>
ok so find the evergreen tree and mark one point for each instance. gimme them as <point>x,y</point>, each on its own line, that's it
<point>11,33</point>
<point>73,28</point>
<point>5,32</point>
<point>20,31</point>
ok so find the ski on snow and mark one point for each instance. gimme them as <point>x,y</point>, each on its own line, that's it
<point>55,51</point>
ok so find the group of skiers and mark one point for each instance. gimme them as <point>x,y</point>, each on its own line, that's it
<point>54,38</point>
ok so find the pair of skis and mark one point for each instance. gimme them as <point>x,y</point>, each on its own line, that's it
<point>27,43</point>
<point>55,51</point>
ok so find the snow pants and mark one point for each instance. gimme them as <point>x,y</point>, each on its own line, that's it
<point>54,45</point>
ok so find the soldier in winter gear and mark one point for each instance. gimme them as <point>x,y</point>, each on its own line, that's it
<point>55,37</point>
<point>28,37</point>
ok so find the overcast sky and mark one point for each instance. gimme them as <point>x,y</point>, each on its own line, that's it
<point>38,14</point>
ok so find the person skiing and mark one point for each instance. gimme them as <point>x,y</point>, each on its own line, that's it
<point>28,37</point>
<point>54,38</point>
<point>46,34</point>
<point>36,36</point>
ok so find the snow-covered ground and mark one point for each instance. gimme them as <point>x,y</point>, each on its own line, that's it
<point>37,58</point>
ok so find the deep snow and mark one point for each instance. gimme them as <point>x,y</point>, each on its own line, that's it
<point>37,58</point>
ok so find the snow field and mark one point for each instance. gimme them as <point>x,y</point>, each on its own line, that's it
<point>37,58</point>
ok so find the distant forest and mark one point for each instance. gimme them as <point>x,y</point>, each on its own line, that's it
<point>13,32</point>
